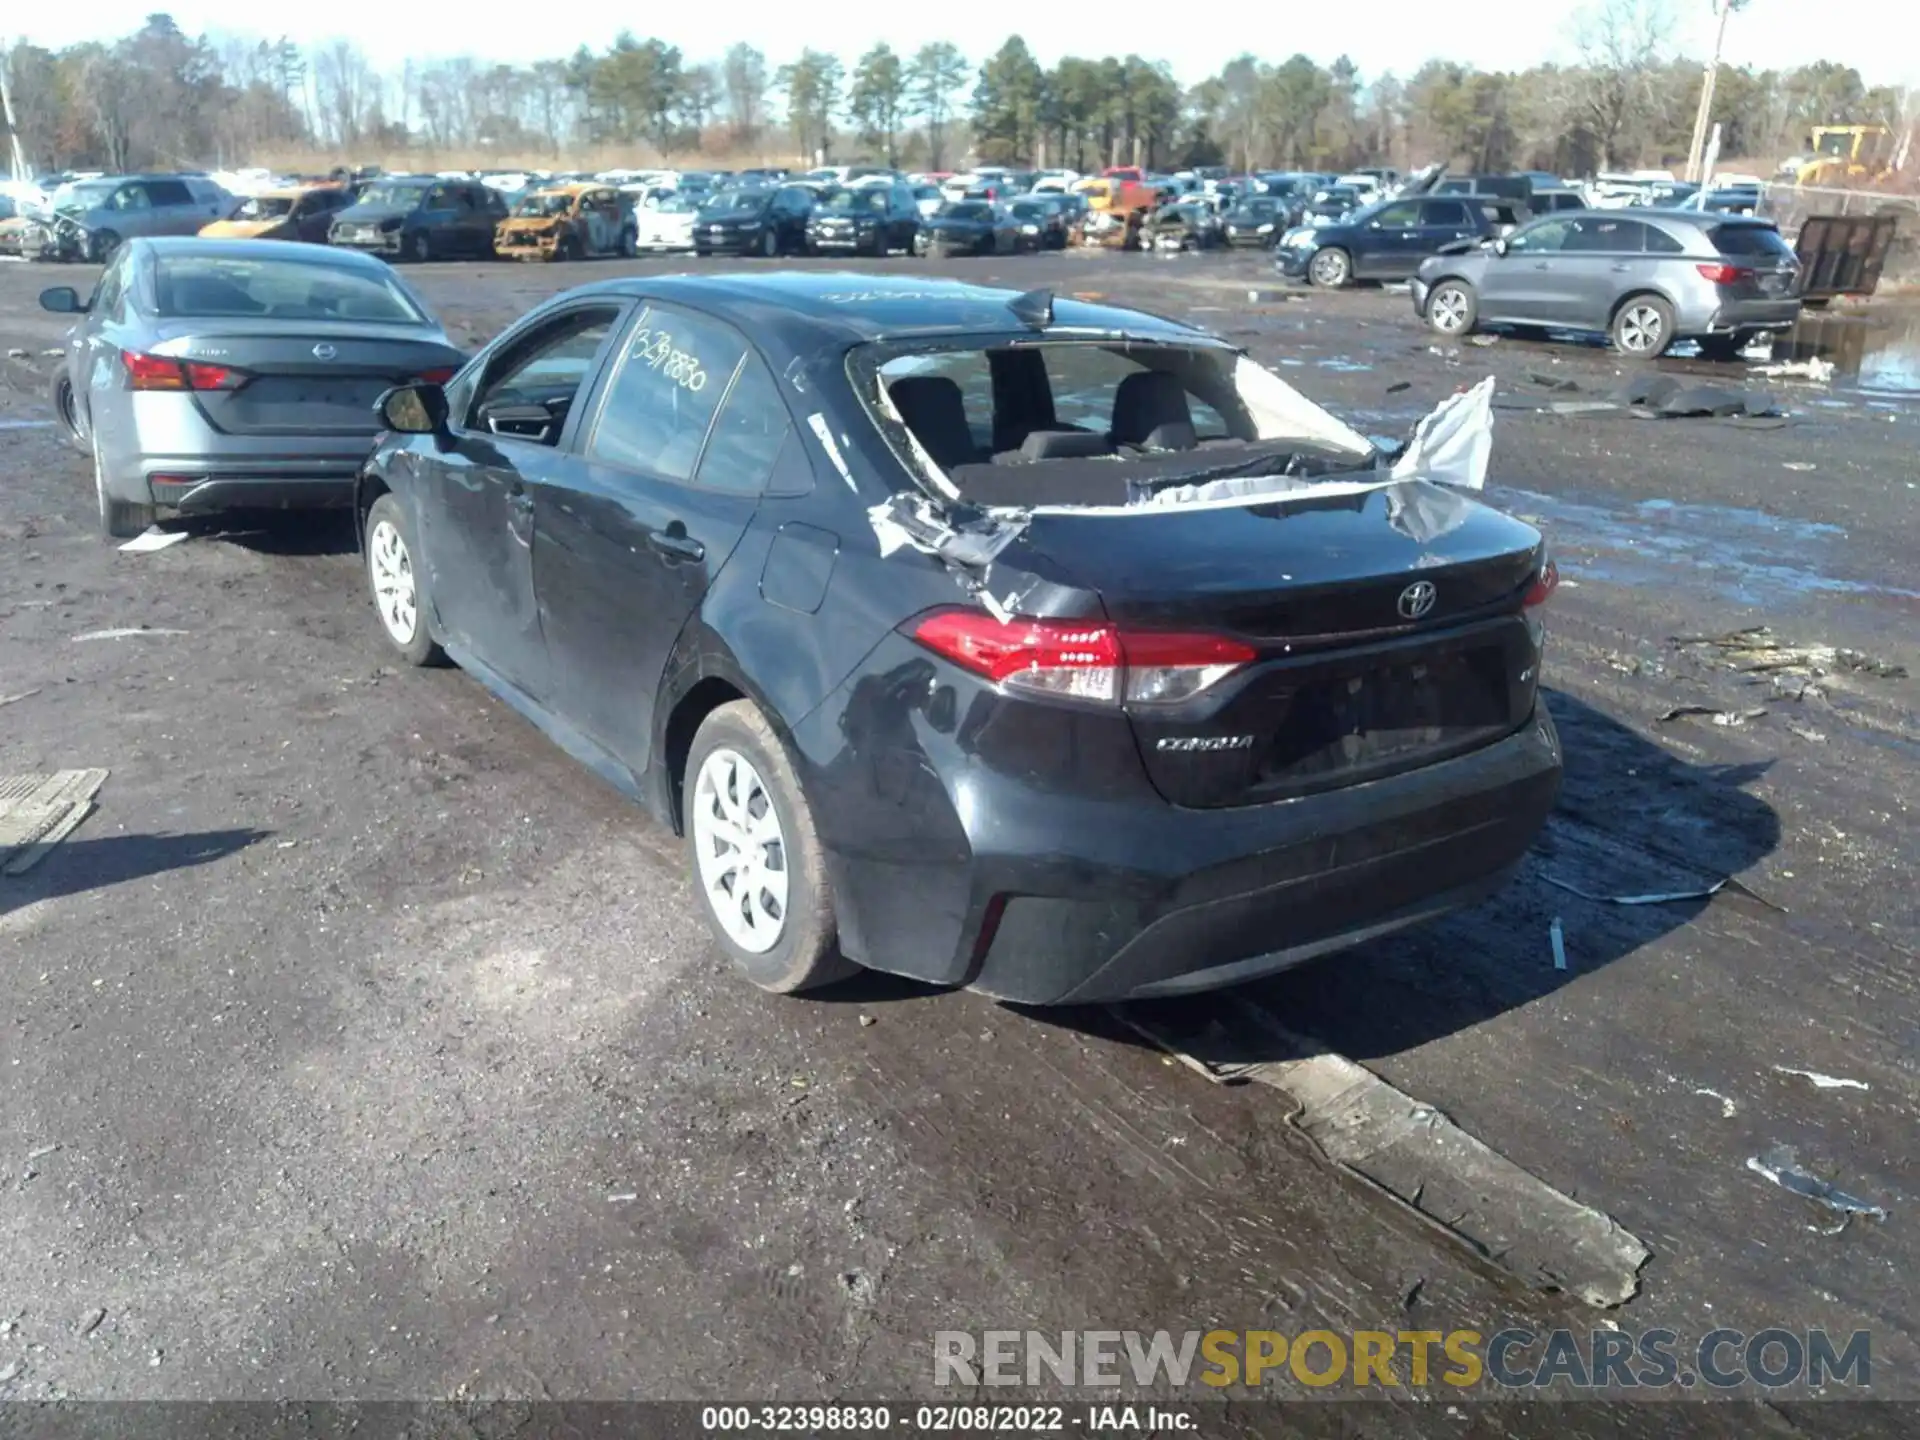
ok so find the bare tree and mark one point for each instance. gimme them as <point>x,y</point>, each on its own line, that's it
<point>1621,44</point>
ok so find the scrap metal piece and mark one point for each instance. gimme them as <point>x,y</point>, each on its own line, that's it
<point>1667,897</point>
<point>1412,1153</point>
<point>1781,1167</point>
<point>37,812</point>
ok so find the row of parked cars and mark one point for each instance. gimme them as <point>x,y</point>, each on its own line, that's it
<point>754,515</point>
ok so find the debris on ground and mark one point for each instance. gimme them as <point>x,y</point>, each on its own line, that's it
<point>1822,1082</point>
<point>6,700</point>
<point>126,632</point>
<point>37,812</point>
<point>1782,1169</point>
<point>1727,1108</point>
<point>1664,897</point>
<point>1801,465</point>
<point>1728,718</point>
<point>1483,340</point>
<point>151,539</point>
<point>1816,370</point>
<point>90,1323</point>
<point>1558,939</point>
<point>1756,650</point>
<point>1651,397</point>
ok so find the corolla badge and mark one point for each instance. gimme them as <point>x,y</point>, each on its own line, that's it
<point>324,351</point>
<point>1417,599</point>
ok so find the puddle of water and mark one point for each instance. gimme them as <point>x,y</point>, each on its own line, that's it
<point>1343,365</point>
<point>26,424</point>
<point>1753,557</point>
<point>1877,353</point>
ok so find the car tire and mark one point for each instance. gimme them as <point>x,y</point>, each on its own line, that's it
<point>1453,308</point>
<point>418,247</point>
<point>119,519</point>
<point>66,409</point>
<point>1642,327</point>
<point>396,583</point>
<point>737,761</point>
<point>770,245</point>
<point>1331,268</point>
<point>103,245</point>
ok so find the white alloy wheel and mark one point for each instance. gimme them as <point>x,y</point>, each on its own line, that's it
<point>395,593</point>
<point>1448,309</point>
<point>1642,329</point>
<point>740,849</point>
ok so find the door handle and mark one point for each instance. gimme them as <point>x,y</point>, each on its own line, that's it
<point>1620,269</point>
<point>677,545</point>
<point>521,501</point>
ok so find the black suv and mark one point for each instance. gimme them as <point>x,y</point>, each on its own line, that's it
<point>873,218</point>
<point>766,222</point>
<point>1383,241</point>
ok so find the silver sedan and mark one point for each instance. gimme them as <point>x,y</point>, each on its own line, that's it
<point>214,374</point>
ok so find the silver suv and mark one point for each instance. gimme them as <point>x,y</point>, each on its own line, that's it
<point>95,216</point>
<point>1645,280</point>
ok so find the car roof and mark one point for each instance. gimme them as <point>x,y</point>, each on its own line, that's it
<point>225,249</point>
<point>797,310</point>
<point>572,187</point>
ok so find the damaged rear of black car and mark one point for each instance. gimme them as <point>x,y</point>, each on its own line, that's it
<point>1046,648</point>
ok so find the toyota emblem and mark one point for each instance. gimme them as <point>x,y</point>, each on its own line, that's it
<point>324,351</point>
<point>1417,599</point>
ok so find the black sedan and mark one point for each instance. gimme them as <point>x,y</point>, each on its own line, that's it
<point>1049,213</point>
<point>767,221</point>
<point>874,218</point>
<point>1256,222</point>
<point>420,218</point>
<point>976,227</point>
<point>910,625</point>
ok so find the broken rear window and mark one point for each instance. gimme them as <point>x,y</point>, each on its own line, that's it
<point>265,207</point>
<point>553,204</point>
<point>1096,422</point>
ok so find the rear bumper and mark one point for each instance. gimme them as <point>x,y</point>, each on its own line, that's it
<point>1043,898</point>
<point>212,493</point>
<point>1754,315</point>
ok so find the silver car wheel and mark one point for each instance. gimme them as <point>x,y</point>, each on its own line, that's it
<point>1641,329</point>
<point>1329,268</point>
<point>1448,310</point>
<point>395,594</point>
<point>741,851</point>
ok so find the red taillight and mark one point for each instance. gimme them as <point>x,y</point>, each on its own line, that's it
<point>437,376</point>
<point>1724,274</point>
<point>157,372</point>
<point>1083,659</point>
<point>1544,584</point>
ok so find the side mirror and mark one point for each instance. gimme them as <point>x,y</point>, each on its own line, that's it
<point>1499,246</point>
<point>416,409</point>
<point>63,300</point>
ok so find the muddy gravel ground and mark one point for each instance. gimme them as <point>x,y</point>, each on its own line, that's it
<point>361,1045</point>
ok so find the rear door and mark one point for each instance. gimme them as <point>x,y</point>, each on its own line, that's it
<point>1441,223</point>
<point>475,510</point>
<point>685,430</point>
<point>176,210</point>
<point>1604,257</point>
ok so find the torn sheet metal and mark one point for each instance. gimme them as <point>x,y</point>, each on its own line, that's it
<point>1454,444</point>
<point>1557,937</point>
<point>1412,1153</point>
<point>964,538</point>
<point>1781,1167</point>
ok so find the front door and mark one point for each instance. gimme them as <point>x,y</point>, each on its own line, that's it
<point>1389,242</point>
<point>1527,283</point>
<point>683,434</point>
<point>476,513</point>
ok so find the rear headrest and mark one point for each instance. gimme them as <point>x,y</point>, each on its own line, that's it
<point>1064,445</point>
<point>1152,403</point>
<point>936,412</point>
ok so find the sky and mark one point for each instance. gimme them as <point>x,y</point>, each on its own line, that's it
<point>1397,35</point>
